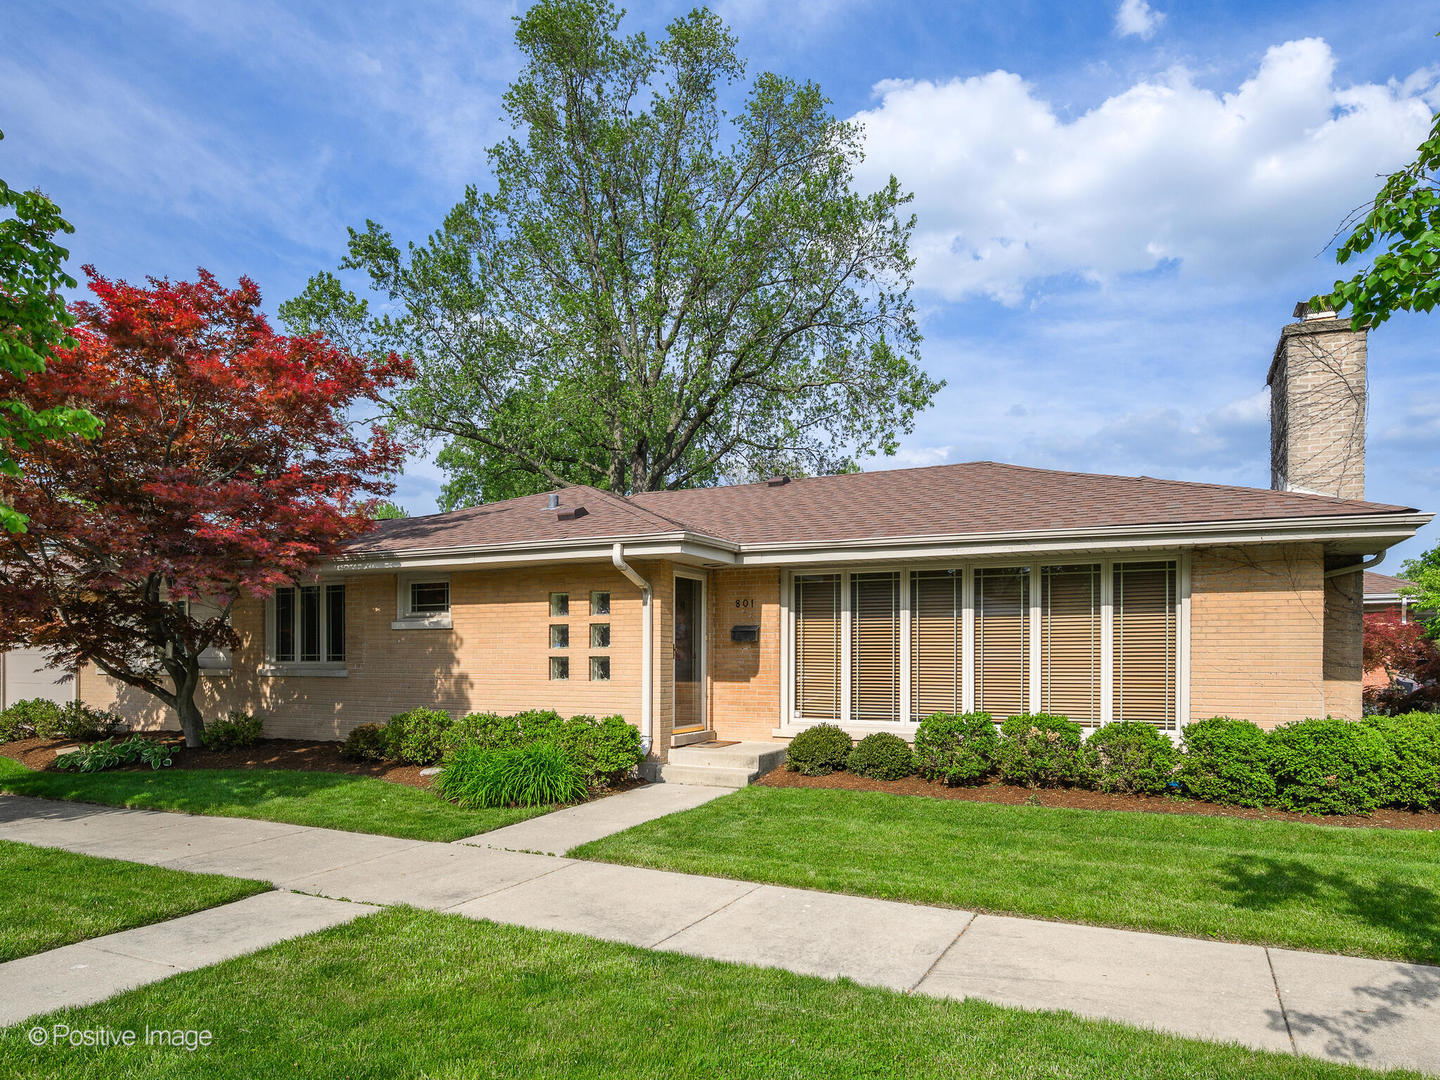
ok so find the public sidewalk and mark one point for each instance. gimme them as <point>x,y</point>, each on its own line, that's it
<point>1366,1011</point>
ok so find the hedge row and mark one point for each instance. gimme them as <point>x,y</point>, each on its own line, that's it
<point>603,751</point>
<point>1324,766</point>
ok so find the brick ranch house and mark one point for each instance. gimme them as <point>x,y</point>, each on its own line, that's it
<point>870,600</point>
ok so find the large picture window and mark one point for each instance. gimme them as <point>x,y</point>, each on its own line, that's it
<point>1093,641</point>
<point>308,624</point>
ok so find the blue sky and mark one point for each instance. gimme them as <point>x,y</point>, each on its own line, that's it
<point>1119,202</point>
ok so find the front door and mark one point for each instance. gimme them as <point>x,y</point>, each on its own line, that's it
<point>689,647</point>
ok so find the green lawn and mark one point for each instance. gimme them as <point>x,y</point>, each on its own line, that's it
<point>50,898</point>
<point>329,800</point>
<point>1368,892</point>
<point>411,993</point>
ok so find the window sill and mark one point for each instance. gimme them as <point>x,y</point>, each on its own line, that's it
<point>221,671</point>
<point>422,622</point>
<point>317,671</point>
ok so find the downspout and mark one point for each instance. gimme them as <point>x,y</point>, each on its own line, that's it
<point>647,642</point>
<point>1368,564</point>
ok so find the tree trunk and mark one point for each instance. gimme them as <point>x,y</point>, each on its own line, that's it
<point>191,722</point>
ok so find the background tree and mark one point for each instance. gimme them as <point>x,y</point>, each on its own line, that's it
<point>1400,649</point>
<point>1405,217</point>
<point>387,511</point>
<point>226,466</point>
<point>1423,592</point>
<point>657,293</point>
<point>33,321</point>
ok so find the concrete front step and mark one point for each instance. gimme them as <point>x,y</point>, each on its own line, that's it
<point>705,775</point>
<point>722,766</point>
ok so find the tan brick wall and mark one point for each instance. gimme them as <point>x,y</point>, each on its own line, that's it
<point>744,678</point>
<point>1317,409</point>
<point>1256,633</point>
<point>495,657</point>
<point>1344,644</point>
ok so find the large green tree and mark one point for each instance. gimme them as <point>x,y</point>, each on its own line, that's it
<point>1405,220</point>
<point>33,321</point>
<point>658,292</point>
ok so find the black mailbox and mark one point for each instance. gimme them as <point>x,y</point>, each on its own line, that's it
<point>744,633</point>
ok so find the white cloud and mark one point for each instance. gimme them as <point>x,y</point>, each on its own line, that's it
<point>1239,185</point>
<point>1135,17</point>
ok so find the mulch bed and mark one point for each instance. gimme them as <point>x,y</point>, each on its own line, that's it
<point>1079,799</point>
<point>266,754</point>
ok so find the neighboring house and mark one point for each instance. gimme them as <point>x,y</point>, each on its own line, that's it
<point>868,600</point>
<point>1382,593</point>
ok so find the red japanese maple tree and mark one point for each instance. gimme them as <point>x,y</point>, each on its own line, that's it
<point>1400,648</point>
<point>227,465</point>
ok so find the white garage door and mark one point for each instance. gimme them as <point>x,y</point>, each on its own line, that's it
<point>26,676</point>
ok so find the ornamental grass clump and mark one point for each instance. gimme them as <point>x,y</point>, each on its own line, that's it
<point>1040,750</point>
<point>881,756</point>
<point>539,773</point>
<point>958,749</point>
<point>818,750</point>
<point>1130,757</point>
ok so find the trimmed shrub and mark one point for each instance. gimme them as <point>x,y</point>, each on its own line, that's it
<point>606,750</point>
<point>31,718</point>
<point>1226,761</point>
<point>536,774</point>
<point>881,756</point>
<point>80,722</point>
<point>1330,766</point>
<point>487,729</point>
<point>1413,780</point>
<point>368,742</point>
<point>1130,757</point>
<point>957,749</point>
<point>539,724</point>
<point>418,737</point>
<point>111,755</point>
<point>1040,750</point>
<point>818,750</point>
<point>236,732</point>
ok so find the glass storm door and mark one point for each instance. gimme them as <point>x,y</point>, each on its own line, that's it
<point>689,647</point>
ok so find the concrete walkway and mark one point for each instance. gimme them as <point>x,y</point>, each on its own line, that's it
<point>1367,1011</point>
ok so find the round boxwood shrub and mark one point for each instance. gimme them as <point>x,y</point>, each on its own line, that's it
<point>368,742</point>
<point>606,750</point>
<point>486,729</point>
<point>539,773</point>
<point>1130,757</point>
<point>1040,750</point>
<point>1330,766</point>
<point>1226,761</point>
<point>30,718</point>
<point>818,750</point>
<point>956,749</point>
<point>1413,781</point>
<point>420,736</point>
<point>881,756</point>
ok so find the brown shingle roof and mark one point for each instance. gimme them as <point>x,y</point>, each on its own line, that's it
<point>517,521</point>
<point>1382,584</point>
<point>941,500</point>
<point>976,497</point>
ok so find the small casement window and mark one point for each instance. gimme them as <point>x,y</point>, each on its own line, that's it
<point>600,635</point>
<point>599,603</point>
<point>559,605</point>
<point>309,624</point>
<point>429,597</point>
<point>559,636</point>
<point>599,669</point>
<point>559,667</point>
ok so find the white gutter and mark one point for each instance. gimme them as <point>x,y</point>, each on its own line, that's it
<point>647,642</point>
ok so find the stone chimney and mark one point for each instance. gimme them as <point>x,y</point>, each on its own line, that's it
<point>1317,406</point>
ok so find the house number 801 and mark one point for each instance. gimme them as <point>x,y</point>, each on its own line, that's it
<point>745,603</point>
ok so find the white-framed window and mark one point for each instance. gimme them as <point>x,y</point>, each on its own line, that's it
<point>1094,639</point>
<point>305,629</point>
<point>216,660</point>
<point>422,601</point>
